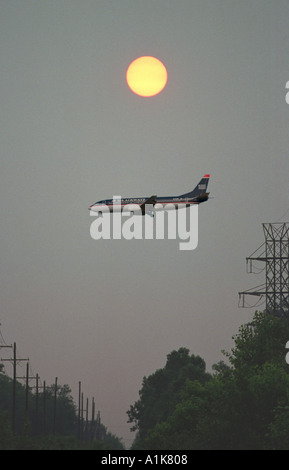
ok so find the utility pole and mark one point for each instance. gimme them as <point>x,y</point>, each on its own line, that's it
<point>86,421</point>
<point>27,389</point>
<point>44,407</point>
<point>79,405</point>
<point>92,420</point>
<point>27,378</point>
<point>37,402</point>
<point>55,402</point>
<point>82,416</point>
<point>14,361</point>
<point>14,390</point>
<point>98,431</point>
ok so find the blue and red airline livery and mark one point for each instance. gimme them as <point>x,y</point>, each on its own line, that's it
<point>198,195</point>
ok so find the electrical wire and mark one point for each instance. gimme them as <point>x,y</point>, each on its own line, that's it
<point>256,270</point>
<point>287,212</point>
<point>2,338</point>
<point>259,302</point>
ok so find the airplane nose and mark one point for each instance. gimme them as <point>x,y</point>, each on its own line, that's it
<point>95,208</point>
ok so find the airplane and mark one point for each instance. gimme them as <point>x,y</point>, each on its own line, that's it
<point>198,195</point>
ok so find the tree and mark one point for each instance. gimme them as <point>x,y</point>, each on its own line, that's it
<point>243,405</point>
<point>261,374</point>
<point>30,433</point>
<point>5,431</point>
<point>161,391</point>
<point>261,340</point>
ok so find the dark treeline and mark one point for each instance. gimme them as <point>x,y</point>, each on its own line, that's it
<point>243,404</point>
<point>50,422</point>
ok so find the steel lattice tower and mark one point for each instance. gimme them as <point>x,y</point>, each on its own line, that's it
<point>274,252</point>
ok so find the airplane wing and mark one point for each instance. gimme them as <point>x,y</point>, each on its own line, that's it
<point>151,200</point>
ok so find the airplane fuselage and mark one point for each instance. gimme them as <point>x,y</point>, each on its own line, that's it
<point>198,195</point>
<point>161,203</point>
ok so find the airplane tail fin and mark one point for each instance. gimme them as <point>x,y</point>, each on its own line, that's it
<point>200,191</point>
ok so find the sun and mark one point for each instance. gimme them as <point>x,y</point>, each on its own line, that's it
<point>146,76</point>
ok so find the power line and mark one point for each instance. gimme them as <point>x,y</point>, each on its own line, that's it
<point>2,338</point>
<point>287,212</point>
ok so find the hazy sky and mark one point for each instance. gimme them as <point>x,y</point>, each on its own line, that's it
<point>108,312</point>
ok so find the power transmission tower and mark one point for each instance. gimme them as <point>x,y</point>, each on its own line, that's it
<point>274,252</point>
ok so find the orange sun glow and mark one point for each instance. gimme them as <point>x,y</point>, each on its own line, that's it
<point>146,76</point>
